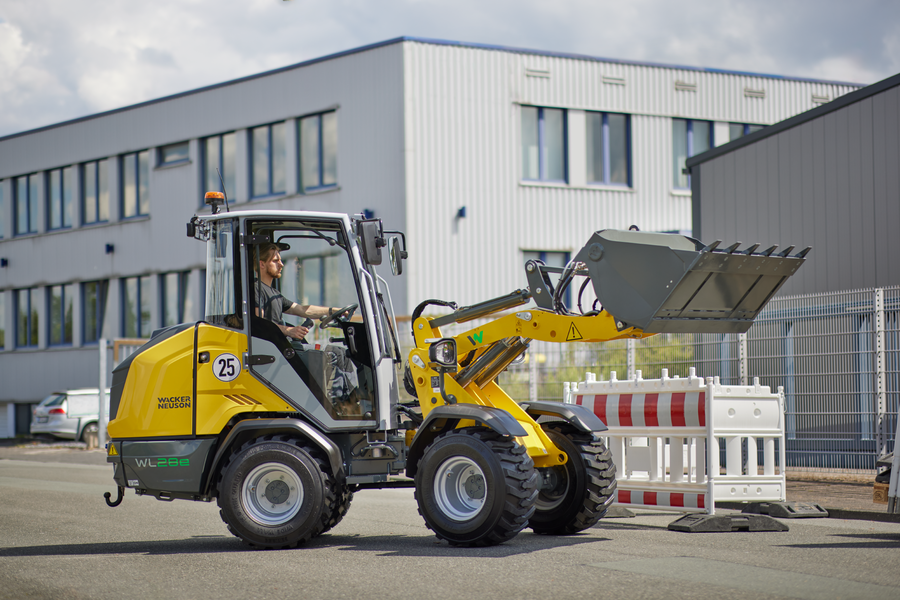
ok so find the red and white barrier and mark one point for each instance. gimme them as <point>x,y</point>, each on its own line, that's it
<point>664,436</point>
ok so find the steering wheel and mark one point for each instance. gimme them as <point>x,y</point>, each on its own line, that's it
<point>338,315</point>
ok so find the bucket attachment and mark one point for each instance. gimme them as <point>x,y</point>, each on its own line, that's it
<point>668,283</point>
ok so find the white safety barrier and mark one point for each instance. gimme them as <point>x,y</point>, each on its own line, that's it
<point>664,436</point>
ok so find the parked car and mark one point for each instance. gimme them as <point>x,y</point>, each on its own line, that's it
<point>71,415</point>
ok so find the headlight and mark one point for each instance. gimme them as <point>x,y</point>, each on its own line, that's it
<point>442,353</point>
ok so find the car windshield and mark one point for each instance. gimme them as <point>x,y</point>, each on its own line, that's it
<point>53,400</point>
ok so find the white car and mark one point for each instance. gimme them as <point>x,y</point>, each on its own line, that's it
<point>72,415</point>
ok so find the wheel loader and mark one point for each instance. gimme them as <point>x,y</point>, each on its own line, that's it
<point>280,433</point>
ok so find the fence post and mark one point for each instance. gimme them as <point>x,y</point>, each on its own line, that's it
<point>881,436</point>
<point>629,357</point>
<point>744,358</point>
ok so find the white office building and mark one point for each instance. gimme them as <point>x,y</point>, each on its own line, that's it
<point>484,156</point>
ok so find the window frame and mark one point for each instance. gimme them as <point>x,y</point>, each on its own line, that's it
<point>139,298</point>
<point>181,295</point>
<point>50,201</point>
<point>543,149</point>
<point>141,187</point>
<point>689,136</point>
<point>605,158</point>
<point>161,160</point>
<point>270,161</point>
<point>228,172</point>
<point>100,197</point>
<point>100,314</point>
<point>32,320</point>
<point>31,204</point>
<point>2,217</point>
<point>63,322</point>
<point>320,152</point>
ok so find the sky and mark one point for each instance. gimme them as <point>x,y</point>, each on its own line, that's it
<point>64,59</point>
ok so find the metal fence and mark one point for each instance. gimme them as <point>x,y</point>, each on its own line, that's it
<point>837,356</point>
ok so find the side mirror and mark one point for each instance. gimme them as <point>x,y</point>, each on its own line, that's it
<point>371,240</point>
<point>396,255</point>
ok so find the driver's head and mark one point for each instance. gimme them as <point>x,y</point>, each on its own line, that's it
<point>270,260</point>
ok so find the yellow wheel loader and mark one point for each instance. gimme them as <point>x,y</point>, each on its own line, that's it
<point>280,433</point>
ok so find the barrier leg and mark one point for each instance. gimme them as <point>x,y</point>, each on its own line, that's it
<point>733,455</point>
<point>752,458</point>
<point>654,459</point>
<point>676,460</point>
<point>769,456</point>
<point>617,447</point>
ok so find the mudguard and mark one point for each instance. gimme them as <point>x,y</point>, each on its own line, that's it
<point>583,419</point>
<point>445,418</point>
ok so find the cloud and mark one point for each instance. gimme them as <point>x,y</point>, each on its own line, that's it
<point>61,60</point>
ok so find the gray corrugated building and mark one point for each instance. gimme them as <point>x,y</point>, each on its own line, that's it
<point>483,155</point>
<point>827,178</point>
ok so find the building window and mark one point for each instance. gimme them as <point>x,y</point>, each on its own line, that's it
<point>318,151</point>
<point>136,184</point>
<point>551,259</point>
<point>543,144</point>
<point>267,151</point>
<point>608,148</point>
<point>26,318</point>
<point>60,303</point>
<point>218,157</point>
<point>93,309</point>
<point>94,192</point>
<point>136,303</point>
<point>176,305</point>
<point>736,130</point>
<point>689,137</point>
<point>173,154</point>
<point>61,190</point>
<point>25,189</point>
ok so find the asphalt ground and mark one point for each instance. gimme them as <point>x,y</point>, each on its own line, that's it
<point>843,496</point>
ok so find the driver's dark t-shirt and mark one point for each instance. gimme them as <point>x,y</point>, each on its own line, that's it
<point>271,303</point>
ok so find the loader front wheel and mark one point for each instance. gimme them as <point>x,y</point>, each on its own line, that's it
<point>274,493</point>
<point>475,487</point>
<point>574,496</point>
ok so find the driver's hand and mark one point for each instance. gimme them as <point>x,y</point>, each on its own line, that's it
<point>298,332</point>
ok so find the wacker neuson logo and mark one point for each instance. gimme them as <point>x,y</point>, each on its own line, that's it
<point>174,402</point>
<point>163,462</point>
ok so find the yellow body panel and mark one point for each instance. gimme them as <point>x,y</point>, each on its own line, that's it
<point>157,400</point>
<point>218,401</point>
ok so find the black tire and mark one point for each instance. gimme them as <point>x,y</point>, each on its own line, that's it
<point>475,487</point>
<point>296,502</point>
<point>574,496</point>
<point>343,497</point>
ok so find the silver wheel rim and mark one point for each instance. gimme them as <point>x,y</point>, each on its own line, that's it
<point>459,488</point>
<point>548,499</point>
<point>272,494</point>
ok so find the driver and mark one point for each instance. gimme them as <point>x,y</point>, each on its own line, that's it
<point>271,305</point>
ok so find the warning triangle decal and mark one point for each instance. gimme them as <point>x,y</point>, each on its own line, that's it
<point>573,334</point>
<point>112,450</point>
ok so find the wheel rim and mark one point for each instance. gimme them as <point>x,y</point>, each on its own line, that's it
<point>272,494</point>
<point>459,488</point>
<point>553,487</point>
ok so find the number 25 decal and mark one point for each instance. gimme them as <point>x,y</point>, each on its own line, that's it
<point>226,367</point>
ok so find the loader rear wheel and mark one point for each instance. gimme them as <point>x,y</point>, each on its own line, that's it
<point>475,487</point>
<point>574,496</point>
<point>274,493</point>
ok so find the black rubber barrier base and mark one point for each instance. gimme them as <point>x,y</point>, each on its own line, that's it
<point>726,523</point>
<point>786,510</point>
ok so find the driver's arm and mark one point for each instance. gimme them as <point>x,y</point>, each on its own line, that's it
<point>310,310</point>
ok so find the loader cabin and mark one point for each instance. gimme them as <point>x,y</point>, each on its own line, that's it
<point>332,377</point>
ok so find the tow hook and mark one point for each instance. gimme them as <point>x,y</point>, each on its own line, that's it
<point>118,501</point>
